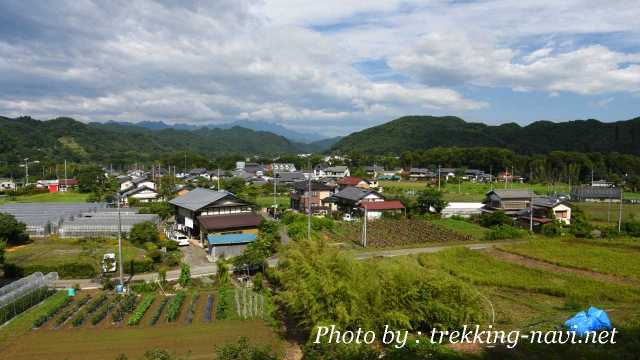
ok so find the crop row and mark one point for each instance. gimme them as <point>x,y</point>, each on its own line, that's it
<point>176,304</point>
<point>208,308</point>
<point>66,314</point>
<point>141,309</point>
<point>192,307</point>
<point>103,311</point>
<point>158,312</point>
<point>125,307</point>
<point>90,309</point>
<point>52,312</point>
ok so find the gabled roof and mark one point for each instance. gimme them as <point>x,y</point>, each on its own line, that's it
<point>337,169</point>
<point>353,193</point>
<point>134,190</point>
<point>546,202</point>
<point>512,193</point>
<point>139,180</point>
<point>198,198</point>
<point>290,176</point>
<point>234,221</point>
<point>382,205</point>
<point>315,186</point>
<point>68,182</point>
<point>350,180</point>
<point>198,171</point>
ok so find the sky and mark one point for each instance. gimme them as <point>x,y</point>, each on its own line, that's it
<point>327,67</point>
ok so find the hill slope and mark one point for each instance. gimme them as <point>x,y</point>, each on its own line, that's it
<point>425,132</point>
<point>66,138</point>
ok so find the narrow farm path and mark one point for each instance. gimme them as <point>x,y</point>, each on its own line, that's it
<point>543,265</point>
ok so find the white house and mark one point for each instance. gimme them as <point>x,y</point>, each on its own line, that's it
<point>143,194</point>
<point>129,184</point>
<point>337,172</point>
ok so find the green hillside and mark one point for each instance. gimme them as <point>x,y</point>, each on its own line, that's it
<point>426,132</point>
<point>66,138</point>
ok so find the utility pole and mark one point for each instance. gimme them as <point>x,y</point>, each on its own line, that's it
<point>65,170</point>
<point>275,189</point>
<point>531,212</point>
<point>364,226</point>
<point>26,169</point>
<point>218,178</point>
<point>491,177</point>
<point>438,177</point>
<point>620,213</point>
<point>309,202</point>
<point>120,245</point>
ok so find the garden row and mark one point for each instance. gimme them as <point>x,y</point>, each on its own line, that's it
<point>135,310</point>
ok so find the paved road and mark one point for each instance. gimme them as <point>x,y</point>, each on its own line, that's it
<point>199,269</point>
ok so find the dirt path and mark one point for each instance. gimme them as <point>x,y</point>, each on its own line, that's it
<point>543,265</point>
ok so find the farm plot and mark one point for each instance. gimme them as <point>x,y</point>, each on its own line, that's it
<point>401,233</point>
<point>249,304</point>
<point>483,270</point>
<point>606,260</point>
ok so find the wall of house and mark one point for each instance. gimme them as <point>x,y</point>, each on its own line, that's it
<point>227,251</point>
<point>559,211</point>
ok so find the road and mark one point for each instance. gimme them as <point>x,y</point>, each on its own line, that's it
<point>201,268</point>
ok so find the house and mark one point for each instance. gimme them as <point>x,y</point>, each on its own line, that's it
<point>462,209</point>
<point>595,193</point>
<point>300,196</point>
<point>602,183</point>
<point>319,171</point>
<point>254,169</point>
<point>132,182</point>
<point>421,174</point>
<point>375,209</point>
<point>348,200</point>
<point>198,172</point>
<point>143,194</point>
<point>60,185</point>
<point>337,172</point>
<point>228,235</point>
<point>7,185</point>
<point>288,178</point>
<point>200,202</point>
<point>511,201</point>
<point>281,167</point>
<point>545,210</point>
<point>473,175</point>
<point>447,173</point>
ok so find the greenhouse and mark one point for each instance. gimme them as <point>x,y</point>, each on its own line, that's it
<point>75,219</point>
<point>22,294</point>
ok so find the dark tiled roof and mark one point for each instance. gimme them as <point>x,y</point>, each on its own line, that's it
<point>234,221</point>
<point>352,193</point>
<point>315,186</point>
<point>512,193</point>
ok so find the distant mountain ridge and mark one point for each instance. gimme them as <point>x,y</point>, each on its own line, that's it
<point>253,125</point>
<point>66,138</point>
<point>426,132</point>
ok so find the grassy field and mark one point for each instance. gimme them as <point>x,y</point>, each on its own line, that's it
<point>106,340</point>
<point>601,212</point>
<point>606,260</point>
<point>267,201</point>
<point>69,197</point>
<point>481,269</point>
<point>476,231</point>
<point>55,252</point>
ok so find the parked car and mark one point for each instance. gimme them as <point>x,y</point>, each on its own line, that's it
<point>109,263</point>
<point>180,238</point>
<point>348,217</point>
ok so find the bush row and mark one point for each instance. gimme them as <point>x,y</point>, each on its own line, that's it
<point>176,304</point>
<point>158,312</point>
<point>52,312</point>
<point>141,309</point>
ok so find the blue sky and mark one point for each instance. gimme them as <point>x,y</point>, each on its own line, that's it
<point>327,67</point>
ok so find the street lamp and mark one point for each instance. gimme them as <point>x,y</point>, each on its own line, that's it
<point>26,169</point>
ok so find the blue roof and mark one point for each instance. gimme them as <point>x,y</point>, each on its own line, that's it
<point>230,239</point>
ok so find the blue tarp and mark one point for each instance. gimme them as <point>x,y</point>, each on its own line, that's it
<point>230,239</point>
<point>593,319</point>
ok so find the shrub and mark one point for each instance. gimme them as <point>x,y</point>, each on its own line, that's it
<point>494,219</point>
<point>631,228</point>
<point>144,232</point>
<point>223,306</point>
<point>503,232</point>
<point>552,229</point>
<point>185,275</point>
<point>244,350</point>
<point>257,282</point>
<point>124,308</point>
<point>103,311</point>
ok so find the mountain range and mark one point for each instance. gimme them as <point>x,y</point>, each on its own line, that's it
<point>247,124</point>
<point>425,132</point>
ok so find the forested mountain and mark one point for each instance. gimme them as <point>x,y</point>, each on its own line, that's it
<point>66,138</point>
<point>411,133</point>
<point>277,129</point>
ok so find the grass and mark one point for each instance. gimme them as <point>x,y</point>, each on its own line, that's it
<point>22,324</point>
<point>599,212</point>
<point>267,201</point>
<point>60,197</point>
<point>606,260</point>
<point>481,269</point>
<point>469,191</point>
<point>476,231</point>
<point>53,252</point>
